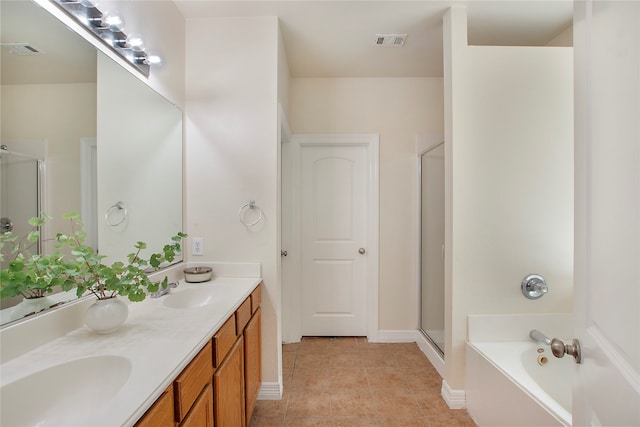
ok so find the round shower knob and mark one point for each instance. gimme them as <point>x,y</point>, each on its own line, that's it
<point>534,286</point>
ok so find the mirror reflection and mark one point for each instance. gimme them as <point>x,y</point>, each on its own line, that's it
<point>99,135</point>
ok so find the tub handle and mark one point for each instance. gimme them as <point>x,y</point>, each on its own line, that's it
<point>559,349</point>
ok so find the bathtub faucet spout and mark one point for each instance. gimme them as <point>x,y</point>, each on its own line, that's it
<point>536,335</point>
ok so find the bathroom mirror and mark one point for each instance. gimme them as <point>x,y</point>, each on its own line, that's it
<point>105,137</point>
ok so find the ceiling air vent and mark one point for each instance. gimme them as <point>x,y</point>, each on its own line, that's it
<point>21,49</point>
<point>390,39</point>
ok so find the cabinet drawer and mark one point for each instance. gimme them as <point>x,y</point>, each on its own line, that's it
<point>192,380</point>
<point>223,340</point>
<point>243,314</point>
<point>256,298</point>
<point>161,413</point>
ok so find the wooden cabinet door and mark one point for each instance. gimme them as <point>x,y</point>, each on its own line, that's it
<point>228,389</point>
<point>161,413</point>
<point>252,362</point>
<point>191,381</point>
<point>201,413</point>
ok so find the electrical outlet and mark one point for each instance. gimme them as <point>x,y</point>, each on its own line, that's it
<point>197,246</point>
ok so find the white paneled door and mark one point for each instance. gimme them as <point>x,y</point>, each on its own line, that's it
<point>333,231</point>
<point>607,250</point>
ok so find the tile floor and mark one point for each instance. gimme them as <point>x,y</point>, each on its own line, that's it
<point>349,382</point>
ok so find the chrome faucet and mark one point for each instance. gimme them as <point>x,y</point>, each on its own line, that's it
<point>163,291</point>
<point>538,336</point>
<point>534,286</point>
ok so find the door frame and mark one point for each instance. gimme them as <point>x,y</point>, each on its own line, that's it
<point>291,281</point>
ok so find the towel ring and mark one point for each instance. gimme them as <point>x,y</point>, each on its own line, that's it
<point>119,206</point>
<point>243,211</point>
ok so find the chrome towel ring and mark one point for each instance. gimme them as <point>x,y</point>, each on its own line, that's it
<point>244,211</point>
<point>119,206</point>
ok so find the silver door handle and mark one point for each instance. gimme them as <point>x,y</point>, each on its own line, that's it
<point>559,349</point>
<point>362,251</point>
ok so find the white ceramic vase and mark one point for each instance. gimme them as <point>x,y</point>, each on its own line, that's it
<point>106,315</point>
<point>29,306</point>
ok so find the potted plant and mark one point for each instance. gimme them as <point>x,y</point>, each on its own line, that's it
<point>31,276</point>
<point>74,264</point>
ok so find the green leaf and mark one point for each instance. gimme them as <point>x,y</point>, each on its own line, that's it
<point>155,260</point>
<point>36,221</point>
<point>71,215</point>
<point>33,236</point>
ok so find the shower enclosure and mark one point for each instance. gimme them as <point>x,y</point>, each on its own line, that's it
<point>432,246</point>
<point>20,197</point>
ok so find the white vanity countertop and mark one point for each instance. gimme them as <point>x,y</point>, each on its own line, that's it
<point>158,341</point>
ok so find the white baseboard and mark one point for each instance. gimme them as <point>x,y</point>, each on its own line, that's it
<point>427,348</point>
<point>270,391</point>
<point>396,336</point>
<point>455,399</point>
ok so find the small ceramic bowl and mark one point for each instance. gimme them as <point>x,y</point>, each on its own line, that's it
<point>198,274</point>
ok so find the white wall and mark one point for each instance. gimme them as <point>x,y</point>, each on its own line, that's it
<point>139,144</point>
<point>397,109</point>
<point>163,29</point>
<point>509,169</point>
<point>232,152</point>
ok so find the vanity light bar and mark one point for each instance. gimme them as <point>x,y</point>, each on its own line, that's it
<point>108,27</point>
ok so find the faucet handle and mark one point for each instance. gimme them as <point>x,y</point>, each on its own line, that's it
<point>536,335</point>
<point>534,286</point>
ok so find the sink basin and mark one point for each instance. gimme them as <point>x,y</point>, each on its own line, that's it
<point>195,297</point>
<point>63,393</point>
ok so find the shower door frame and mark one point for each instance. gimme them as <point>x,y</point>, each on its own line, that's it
<point>40,189</point>
<point>424,144</point>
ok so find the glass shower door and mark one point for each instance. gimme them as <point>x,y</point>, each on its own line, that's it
<point>19,198</point>
<point>432,246</point>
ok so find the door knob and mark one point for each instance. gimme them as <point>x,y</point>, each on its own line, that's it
<point>559,349</point>
<point>362,251</point>
<point>283,253</point>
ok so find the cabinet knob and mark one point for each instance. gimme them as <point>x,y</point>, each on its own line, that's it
<point>283,253</point>
<point>362,251</point>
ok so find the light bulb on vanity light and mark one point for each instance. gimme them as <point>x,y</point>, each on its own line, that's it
<point>135,42</point>
<point>153,58</point>
<point>113,21</point>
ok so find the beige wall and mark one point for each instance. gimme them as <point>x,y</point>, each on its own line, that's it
<point>60,114</point>
<point>397,109</point>
<point>232,152</point>
<point>509,168</point>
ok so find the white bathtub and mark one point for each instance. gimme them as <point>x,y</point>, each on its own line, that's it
<point>512,384</point>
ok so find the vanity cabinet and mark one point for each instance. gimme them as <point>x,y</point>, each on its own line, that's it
<point>187,402</point>
<point>201,414</point>
<point>238,374</point>
<point>189,385</point>
<point>228,388</point>
<point>220,385</point>
<point>252,362</point>
<point>161,413</point>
